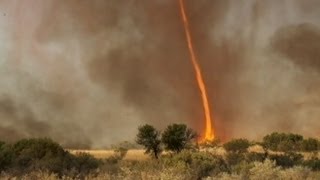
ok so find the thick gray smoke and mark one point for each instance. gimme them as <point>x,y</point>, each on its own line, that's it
<point>88,73</point>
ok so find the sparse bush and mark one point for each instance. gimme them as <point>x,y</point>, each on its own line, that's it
<point>242,169</point>
<point>266,170</point>
<point>237,145</point>
<point>296,173</point>
<point>177,137</point>
<point>36,175</point>
<point>111,165</point>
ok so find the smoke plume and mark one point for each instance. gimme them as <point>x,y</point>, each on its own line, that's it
<point>88,73</point>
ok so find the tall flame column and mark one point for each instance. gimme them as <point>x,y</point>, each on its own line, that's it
<point>209,130</point>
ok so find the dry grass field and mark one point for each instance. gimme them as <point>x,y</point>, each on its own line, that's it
<point>133,154</point>
<point>138,154</point>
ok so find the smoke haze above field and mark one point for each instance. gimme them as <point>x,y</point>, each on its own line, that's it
<point>88,73</point>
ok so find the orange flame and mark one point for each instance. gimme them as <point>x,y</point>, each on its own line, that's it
<point>209,131</point>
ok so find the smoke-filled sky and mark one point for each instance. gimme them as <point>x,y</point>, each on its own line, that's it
<point>88,73</point>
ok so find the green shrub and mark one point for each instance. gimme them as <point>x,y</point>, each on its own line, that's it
<point>34,154</point>
<point>266,170</point>
<point>283,142</point>
<point>297,173</point>
<point>313,164</point>
<point>310,145</point>
<point>177,137</point>
<point>29,155</point>
<point>110,167</point>
<point>205,164</point>
<point>286,160</point>
<point>85,163</point>
<point>237,145</point>
<point>2,144</point>
<point>235,158</point>
<point>199,164</point>
<point>6,157</point>
<point>242,169</point>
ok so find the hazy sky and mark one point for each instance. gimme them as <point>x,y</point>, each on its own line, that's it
<point>88,73</point>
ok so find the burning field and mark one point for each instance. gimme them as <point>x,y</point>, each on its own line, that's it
<point>88,73</point>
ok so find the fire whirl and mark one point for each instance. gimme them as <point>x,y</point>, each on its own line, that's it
<point>209,130</point>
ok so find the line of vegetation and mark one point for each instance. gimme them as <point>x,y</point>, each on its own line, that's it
<point>174,153</point>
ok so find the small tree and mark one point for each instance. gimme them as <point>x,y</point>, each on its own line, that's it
<point>237,145</point>
<point>177,137</point>
<point>149,137</point>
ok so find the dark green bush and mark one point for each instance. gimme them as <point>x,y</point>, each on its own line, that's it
<point>233,158</point>
<point>202,164</point>
<point>29,155</point>
<point>6,157</point>
<point>37,154</point>
<point>313,164</point>
<point>205,164</point>
<point>283,142</point>
<point>177,137</point>
<point>2,144</point>
<point>237,145</point>
<point>286,160</point>
<point>310,145</point>
<point>84,163</point>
